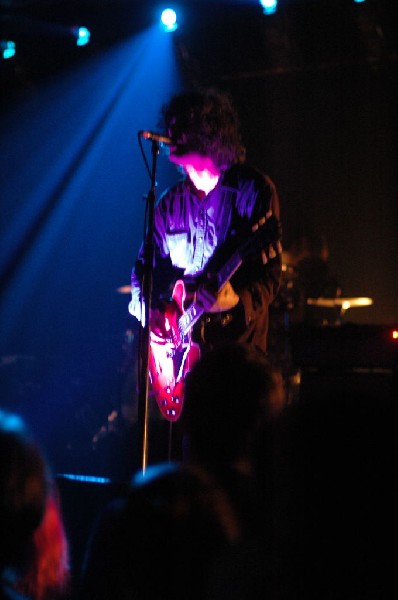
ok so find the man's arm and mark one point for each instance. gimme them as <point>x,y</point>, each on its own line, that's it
<point>164,277</point>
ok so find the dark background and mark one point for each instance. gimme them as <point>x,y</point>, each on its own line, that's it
<point>315,85</point>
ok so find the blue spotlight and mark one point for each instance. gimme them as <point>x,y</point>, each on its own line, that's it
<point>358,1</point>
<point>82,35</point>
<point>269,6</point>
<point>169,19</point>
<point>85,478</point>
<point>7,49</point>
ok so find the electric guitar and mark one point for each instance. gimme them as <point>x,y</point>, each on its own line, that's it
<point>171,357</point>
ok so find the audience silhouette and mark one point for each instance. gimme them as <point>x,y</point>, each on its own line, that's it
<point>286,502</point>
<point>193,529</point>
<point>33,545</point>
<point>163,539</point>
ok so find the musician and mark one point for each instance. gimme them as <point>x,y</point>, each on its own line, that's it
<point>215,207</point>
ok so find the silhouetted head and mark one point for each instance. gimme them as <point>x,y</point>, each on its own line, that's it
<point>164,540</point>
<point>205,124</point>
<point>229,394</point>
<point>23,489</point>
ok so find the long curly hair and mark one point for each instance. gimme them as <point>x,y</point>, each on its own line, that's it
<point>33,539</point>
<point>205,122</point>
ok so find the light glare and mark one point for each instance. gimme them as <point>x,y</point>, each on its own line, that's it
<point>82,36</point>
<point>7,48</point>
<point>169,19</point>
<point>269,6</point>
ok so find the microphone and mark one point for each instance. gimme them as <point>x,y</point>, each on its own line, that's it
<point>156,137</point>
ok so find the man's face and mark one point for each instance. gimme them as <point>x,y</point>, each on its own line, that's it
<point>200,169</point>
<point>194,160</point>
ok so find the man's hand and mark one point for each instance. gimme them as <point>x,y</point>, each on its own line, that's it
<point>159,324</point>
<point>225,299</point>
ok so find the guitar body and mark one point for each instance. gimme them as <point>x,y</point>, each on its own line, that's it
<point>171,358</point>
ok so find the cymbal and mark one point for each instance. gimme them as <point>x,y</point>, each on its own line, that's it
<point>124,289</point>
<point>344,303</point>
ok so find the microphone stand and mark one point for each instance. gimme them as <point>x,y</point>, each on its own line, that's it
<point>144,340</point>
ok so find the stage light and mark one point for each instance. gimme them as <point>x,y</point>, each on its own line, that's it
<point>7,48</point>
<point>359,1</point>
<point>82,35</point>
<point>84,478</point>
<point>269,6</point>
<point>169,20</point>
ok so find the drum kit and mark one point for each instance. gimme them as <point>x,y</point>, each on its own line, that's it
<point>294,300</point>
<point>124,289</point>
<point>342,303</point>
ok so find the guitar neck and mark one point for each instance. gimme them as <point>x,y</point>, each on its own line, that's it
<point>226,272</point>
<point>189,318</point>
<point>196,310</point>
<point>262,236</point>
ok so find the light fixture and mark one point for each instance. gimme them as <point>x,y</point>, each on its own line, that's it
<point>7,49</point>
<point>169,20</point>
<point>269,6</point>
<point>82,35</point>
